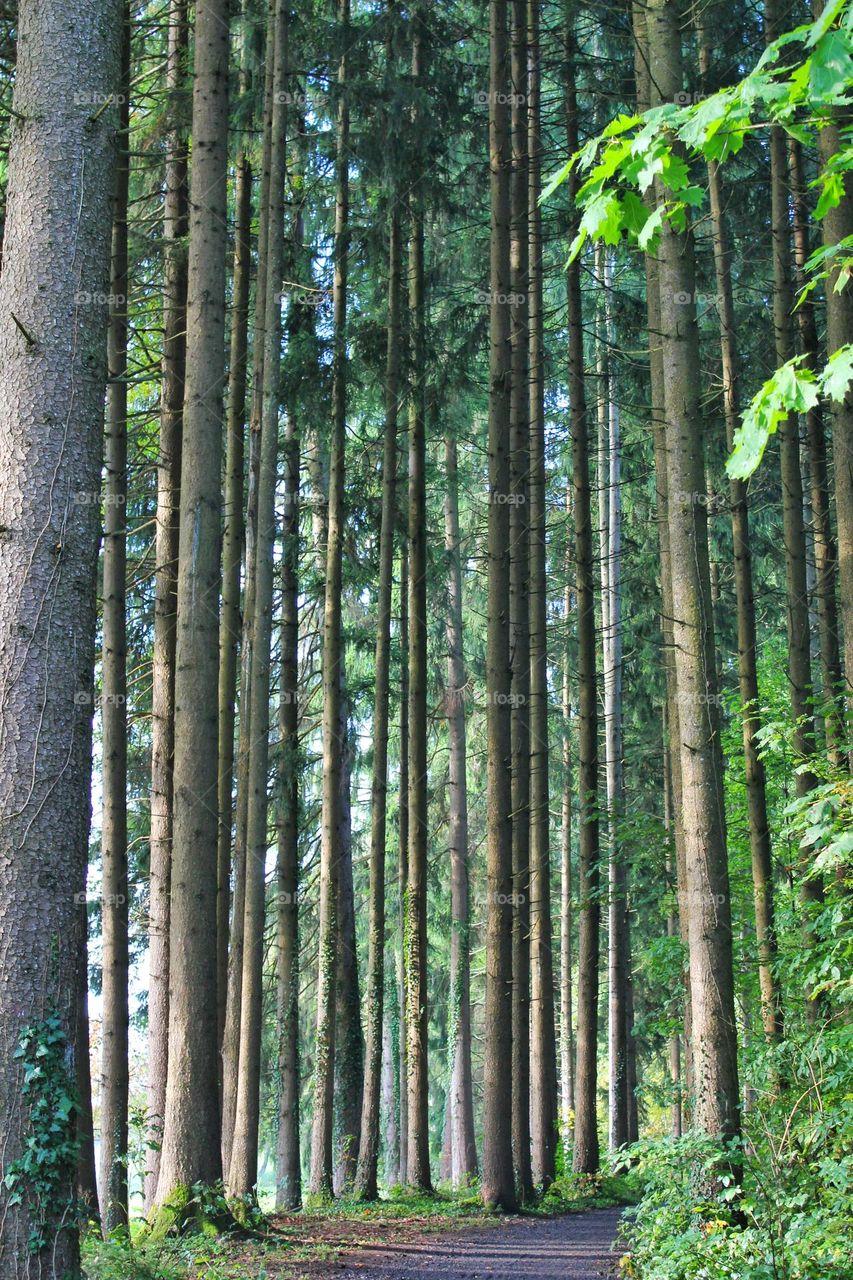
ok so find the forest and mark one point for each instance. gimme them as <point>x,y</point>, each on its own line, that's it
<point>426,638</point>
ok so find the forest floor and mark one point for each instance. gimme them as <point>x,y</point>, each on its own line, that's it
<point>416,1238</point>
<point>577,1246</point>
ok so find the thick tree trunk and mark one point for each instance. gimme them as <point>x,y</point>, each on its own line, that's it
<point>191,1139</point>
<point>115,1081</point>
<point>417,1079</point>
<point>463,1150</point>
<point>610,500</point>
<point>366,1176</point>
<point>288,1179</point>
<point>321,1171</point>
<point>52,343</point>
<point>243,1169</point>
<point>585,1152</point>
<point>648,94</point>
<point>543,1049</point>
<point>403,862</point>
<point>709,905</point>
<point>234,992</point>
<point>498,1184</point>
<point>519,603</point>
<point>173,365</point>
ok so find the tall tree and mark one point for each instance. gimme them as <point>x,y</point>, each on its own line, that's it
<point>519,604</point>
<point>56,249</point>
<point>191,1139</point>
<point>320,1180</point>
<point>114,882</point>
<point>716,1098</point>
<point>756,790</point>
<point>498,1184</point>
<point>585,1153</point>
<point>243,1169</point>
<point>417,1081</point>
<point>463,1150</point>
<point>173,365</point>
<point>368,1155</point>
<point>543,1052</point>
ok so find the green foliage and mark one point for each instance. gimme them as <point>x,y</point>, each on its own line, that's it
<point>41,1177</point>
<point>637,174</point>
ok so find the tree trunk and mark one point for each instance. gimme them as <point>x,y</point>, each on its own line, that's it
<point>759,829</point>
<point>243,1169</point>
<point>417,1078</point>
<point>115,1081</point>
<point>797,598</point>
<point>232,560</point>
<point>825,551</point>
<point>836,226</point>
<point>585,1153</point>
<point>674,1046</point>
<point>173,365</point>
<point>321,1173</point>
<point>403,861</point>
<point>519,602</point>
<point>87,1183</point>
<point>543,1048</point>
<point>191,1139</point>
<point>567,1046</point>
<point>52,339</point>
<point>610,499</point>
<point>368,1156</point>
<point>648,94</point>
<point>234,993</point>
<point>349,1043</point>
<point>463,1149</point>
<point>709,905</point>
<point>498,1185</point>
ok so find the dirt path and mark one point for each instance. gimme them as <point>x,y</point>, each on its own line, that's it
<point>574,1247</point>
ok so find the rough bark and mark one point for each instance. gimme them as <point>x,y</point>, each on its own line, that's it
<point>115,1082</point>
<point>498,1183</point>
<point>519,601</point>
<point>191,1139</point>
<point>417,1079</point>
<point>173,364</point>
<point>243,1169</point>
<point>716,1096</point>
<point>585,1151</point>
<point>234,992</point>
<point>543,1048</point>
<point>55,271</point>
